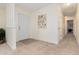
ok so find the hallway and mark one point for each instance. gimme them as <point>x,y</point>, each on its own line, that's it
<point>68,45</point>
<point>69,40</point>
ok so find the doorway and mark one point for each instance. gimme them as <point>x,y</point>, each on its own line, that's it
<point>69,26</point>
<point>23,21</point>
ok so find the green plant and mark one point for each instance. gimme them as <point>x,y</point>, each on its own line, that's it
<point>2,35</point>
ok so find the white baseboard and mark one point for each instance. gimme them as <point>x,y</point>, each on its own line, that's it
<point>55,42</point>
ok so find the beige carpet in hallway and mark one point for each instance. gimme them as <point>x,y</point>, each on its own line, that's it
<point>30,46</point>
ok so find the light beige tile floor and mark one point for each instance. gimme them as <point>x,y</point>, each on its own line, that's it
<point>30,46</point>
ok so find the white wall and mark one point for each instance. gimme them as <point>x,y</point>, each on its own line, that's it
<point>74,26</point>
<point>11,25</point>
<point>51,34</point>
<point>2,16</point>
<point>61,27</point>
<point>77,24</point>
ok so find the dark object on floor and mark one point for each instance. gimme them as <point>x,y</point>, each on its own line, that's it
<point>2,35</point>
<point>70,30</point>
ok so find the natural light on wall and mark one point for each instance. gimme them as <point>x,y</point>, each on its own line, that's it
<point>65,17</point>
<point>67,4</point>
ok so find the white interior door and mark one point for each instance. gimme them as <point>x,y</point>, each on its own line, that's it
<point>23,26</point>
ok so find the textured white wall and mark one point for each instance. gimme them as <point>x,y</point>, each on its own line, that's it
<point>51,34</point>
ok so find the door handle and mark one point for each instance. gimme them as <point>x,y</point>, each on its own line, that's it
<point>19,27</point>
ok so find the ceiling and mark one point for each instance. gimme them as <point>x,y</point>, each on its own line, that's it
<point>33,6</point>
<point>69,10</point>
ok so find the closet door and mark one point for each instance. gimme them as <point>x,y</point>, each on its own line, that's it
<point>23,25</point>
